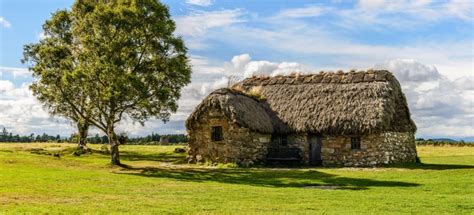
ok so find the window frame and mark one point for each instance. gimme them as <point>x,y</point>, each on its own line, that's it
<point>217,133</point>
<point>280,139</point>
<point>356,143</point>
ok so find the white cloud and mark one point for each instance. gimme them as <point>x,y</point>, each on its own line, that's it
<point>203,3</point>
<point>310,11</point>
<point>439,106</point>
<point>410,70</point>
<point>195,27</point>
<point>371,4</point>
<point>21,113</point>
<point>452,58</point>
<point>5,23</point>
<point>463,9</point>
<point>41,35</point>
<point>415,12</point>
<point>15,72</point>
<point>198,23</point>
<point>6,86</point>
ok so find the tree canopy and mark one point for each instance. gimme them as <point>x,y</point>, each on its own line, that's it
<point>120,56</point>
<point>53,62</point>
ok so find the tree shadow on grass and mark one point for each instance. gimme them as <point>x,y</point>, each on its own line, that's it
<point>428,166</point>
<point>264,177</point>
<point>174,158</point>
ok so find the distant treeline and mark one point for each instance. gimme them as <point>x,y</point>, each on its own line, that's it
<point>6,136</point>
<point>431,142</point>
<point>152,139</point>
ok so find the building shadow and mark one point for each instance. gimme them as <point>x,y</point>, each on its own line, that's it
<point>285,178</point>
<point>174,158</point>
<point>180,158</point>
<point>428,166</point>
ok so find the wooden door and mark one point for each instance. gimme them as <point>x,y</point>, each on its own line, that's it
<point>315,144</point>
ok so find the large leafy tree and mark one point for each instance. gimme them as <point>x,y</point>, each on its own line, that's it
<point>126,61</point>
<point>53,64</point>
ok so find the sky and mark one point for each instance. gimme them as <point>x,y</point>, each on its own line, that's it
<point>427,44</point>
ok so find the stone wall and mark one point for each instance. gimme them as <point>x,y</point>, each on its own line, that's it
<point>376,149</point>
<point>239,145</point>
<point>300,141</point>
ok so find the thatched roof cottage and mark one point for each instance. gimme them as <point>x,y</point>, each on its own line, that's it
<point>350,119</point>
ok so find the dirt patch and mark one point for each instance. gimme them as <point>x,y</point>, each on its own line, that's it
<point>323,187</point>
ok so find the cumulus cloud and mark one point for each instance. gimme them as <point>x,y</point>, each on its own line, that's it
<point>21,113</point>
<point>198,23</point>
<point>4,23</point>
<point>203,3</point>
<point>5,86</point>
<point>436,102</point>
<point>15,72</point>
<point>410,70</point>
<point>242,65</point>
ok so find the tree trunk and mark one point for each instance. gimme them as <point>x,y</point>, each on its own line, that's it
<point>114,147</point>
<point>83,129</point>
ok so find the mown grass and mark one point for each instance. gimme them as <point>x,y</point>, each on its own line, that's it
<point>159,181</point>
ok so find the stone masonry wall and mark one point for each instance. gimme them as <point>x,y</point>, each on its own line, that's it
<point>376,149</point>
<point>300,141</point>
<point>239,145</point>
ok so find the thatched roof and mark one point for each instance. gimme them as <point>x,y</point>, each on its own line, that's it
<point>327,103</point>
<point>238,107</point>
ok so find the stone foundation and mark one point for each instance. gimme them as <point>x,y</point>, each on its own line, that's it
<point>239,145</point>
<point>376,149</point>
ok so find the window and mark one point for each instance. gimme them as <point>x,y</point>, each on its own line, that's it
<point>216,133</point>
<point>284,140</point>
<point>280,140</point>
<point>355,142</point>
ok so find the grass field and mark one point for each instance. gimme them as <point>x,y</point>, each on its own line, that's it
<point>160,181</point>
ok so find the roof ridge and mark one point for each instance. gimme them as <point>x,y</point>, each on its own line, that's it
<point>341,77</point>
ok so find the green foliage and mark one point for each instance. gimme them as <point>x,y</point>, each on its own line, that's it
<point>256,95</point>
<point>159,181</point>
<point>105,60</point>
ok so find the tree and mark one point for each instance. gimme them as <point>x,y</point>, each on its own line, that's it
<point>53,63</point>
<point>126,61</point>
<point>4,135</point>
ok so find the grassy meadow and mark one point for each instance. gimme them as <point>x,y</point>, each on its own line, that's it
<point>160,181</point>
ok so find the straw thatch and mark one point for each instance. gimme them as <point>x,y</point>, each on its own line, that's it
<point>326,103</point>
<point>242,109</point>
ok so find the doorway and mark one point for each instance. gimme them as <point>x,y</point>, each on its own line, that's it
<point>315,145</point>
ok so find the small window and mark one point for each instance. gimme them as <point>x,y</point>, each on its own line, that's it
<point>355,142</point>
<point>216,133</point>
<point>284,140</point>
<point>281,140</point>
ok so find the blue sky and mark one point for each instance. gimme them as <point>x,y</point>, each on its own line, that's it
<point>427,44</point>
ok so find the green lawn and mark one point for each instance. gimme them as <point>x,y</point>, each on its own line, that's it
<point>160,181</point>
